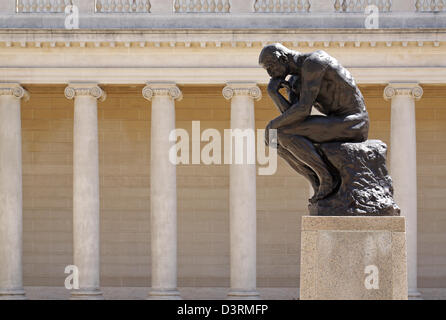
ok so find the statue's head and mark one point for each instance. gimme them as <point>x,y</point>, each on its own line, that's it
<point>275,59</point>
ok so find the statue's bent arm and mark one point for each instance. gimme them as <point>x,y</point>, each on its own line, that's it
<point>281,103</point>
<point>312,74</point>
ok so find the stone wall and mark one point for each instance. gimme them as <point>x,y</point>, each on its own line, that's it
<point>431,142</point>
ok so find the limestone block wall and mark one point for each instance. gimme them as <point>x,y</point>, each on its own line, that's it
<point>203,197</point>
<point>431,154</point>
<point>47,155</point>
<point>281,201</point>
<point>203,191</point>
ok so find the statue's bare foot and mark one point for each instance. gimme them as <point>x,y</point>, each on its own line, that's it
<point>313,199</point>
<point>325,189</point>
<point>316,191</point>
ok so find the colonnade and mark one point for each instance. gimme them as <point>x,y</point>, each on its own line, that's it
<point>163,191</point>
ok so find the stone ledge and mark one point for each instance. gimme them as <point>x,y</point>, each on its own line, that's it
<point>198,293</point>
<point>392,224</point>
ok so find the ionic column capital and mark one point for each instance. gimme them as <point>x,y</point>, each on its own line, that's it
<point>242,89</point>
<point>85,89</point>
<point>14,89</point>
<point>163,89</point>
<point>412,90</point>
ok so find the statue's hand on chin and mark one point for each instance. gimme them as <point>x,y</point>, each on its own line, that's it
<point>275,84</point>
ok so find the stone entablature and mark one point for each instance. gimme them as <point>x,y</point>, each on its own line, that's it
<point>229,38</point>
<point>184,56</point>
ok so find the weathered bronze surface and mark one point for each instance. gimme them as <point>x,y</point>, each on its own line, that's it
<point>347,172</point>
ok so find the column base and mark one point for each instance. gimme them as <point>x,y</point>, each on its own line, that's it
<point>14,294</point>
<point>414,294</point>
<point>243,295</point>
<point>164,295</point>
<point>80,294</point>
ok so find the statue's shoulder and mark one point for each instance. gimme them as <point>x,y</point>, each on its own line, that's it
<point>322,59</point>
<point>316,61</point>
<point>318,55</point>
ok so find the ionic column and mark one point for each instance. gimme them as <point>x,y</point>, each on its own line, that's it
<point>86,188</point>
<point>242,187</point>
<point>11,278</point>
<point>403,165</point>
<point>163,191</point>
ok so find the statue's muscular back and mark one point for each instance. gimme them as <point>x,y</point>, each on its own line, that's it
<point>338,93</point>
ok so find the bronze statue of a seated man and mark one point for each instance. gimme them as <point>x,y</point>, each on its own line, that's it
<point>317,80</point>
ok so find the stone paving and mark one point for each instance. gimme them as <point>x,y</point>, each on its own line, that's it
<point>140,293</point>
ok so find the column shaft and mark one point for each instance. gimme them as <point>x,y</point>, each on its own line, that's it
<point>242,185</point>
<point>403,166</point>
<point>86,191</point>
<point>11,279</point>
<point>163,191</point>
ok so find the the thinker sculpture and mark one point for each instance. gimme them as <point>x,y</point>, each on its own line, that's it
<point>347,172</point>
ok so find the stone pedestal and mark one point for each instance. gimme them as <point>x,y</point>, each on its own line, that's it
<point>353,258</point>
